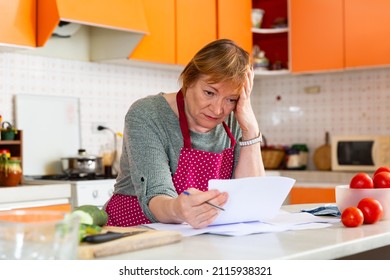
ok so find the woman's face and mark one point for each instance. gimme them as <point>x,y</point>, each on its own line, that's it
<point>208,105</point>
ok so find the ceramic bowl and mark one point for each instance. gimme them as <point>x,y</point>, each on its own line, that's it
<point>346,197</point>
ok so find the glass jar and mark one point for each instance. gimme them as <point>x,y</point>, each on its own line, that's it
<point>292,159</point>
<point>303,152</point>
<point>10,172</point>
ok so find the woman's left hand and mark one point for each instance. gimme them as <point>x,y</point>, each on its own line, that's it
<point>244,112</point>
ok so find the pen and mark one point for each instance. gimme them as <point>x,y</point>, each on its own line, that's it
<point>209,203</point>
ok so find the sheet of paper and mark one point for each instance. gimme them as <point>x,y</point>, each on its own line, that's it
<point>299,218</point>
<point>252,199</point>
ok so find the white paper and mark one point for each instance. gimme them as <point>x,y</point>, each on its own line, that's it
<point>252,199</point>
<point>300,218</point>
<point>284,221</point>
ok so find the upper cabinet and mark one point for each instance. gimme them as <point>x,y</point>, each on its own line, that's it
<point>113,28</point>
<point>234,22</point>
<point>338,34</point>
<point>316,35</point>
<point>159,44</point>
<point>92,30</point>
<point>196,25</point>
<point>367,29</point>
<point>176,31</point>
<point>17,23</point>
<point>179,28</point>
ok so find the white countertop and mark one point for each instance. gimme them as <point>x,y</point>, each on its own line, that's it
<point>316,178</point>
<point>333,242</point>
<point>34,195</point>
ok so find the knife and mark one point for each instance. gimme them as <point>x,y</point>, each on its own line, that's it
<point>109,235</point>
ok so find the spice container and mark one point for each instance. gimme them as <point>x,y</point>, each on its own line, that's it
<point>297,157</point>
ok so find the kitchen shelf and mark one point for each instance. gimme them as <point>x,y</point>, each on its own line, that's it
<point>269,30</point>
<point>272,36</point>
<point>14,146</point>
<point>260,72</point>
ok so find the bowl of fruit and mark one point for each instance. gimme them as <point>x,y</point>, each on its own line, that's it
<point>363,186</point>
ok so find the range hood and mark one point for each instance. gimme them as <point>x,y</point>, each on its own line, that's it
<point>109,29</point>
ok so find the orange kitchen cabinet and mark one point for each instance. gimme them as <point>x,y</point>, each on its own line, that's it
<point>125,15</point>
<point>367,30</point>
<point>176,32</point>
<point>159,44</point>
<point>317,34</point>
<point>234,22</point>
<point>300,195</point>
<point>196,22</point>
<point>18,22</point>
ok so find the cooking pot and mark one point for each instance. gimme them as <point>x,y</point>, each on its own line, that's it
<point>82,164</point>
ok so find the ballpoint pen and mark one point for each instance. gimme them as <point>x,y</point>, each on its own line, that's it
<point>209,203</point>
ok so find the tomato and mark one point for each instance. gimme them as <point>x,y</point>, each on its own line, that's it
<point>372,210</point>
<point>361,181</point>
<point>352,217</point>
<point>382,180</point>
<point>381,169</point>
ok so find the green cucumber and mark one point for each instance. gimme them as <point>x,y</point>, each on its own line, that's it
<point>91,215</point>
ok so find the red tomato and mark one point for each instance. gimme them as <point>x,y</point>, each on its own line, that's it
<point>361,181</point>
<point>382,180</point>
<point>381,169</point>
<point>372,210</point>
<point>352,217</point>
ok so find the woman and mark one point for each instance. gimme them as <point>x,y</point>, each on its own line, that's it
<point>179,141</point>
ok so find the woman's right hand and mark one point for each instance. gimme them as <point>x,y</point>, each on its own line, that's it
<point>244,111</point>
<point>193,210</point>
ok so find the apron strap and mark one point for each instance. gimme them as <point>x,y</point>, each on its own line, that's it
<point>184,124</point>
<point>230,134</point>
<point>183,120</point>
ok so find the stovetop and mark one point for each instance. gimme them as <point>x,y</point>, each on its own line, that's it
<point>72,177</point>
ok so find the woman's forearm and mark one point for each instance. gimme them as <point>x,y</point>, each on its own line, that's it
<point>250,163</point>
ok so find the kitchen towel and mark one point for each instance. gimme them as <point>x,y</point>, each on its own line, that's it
<point>324,210</point>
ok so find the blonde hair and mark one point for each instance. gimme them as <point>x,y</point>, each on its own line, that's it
<point>221,61</point>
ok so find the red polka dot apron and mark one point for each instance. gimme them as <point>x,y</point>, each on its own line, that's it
<point>195,168</point>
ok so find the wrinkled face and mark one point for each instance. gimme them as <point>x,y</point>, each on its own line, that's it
<point>208,105</point>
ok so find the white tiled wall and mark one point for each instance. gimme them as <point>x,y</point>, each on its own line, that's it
<point>106,91</point>
<point>353,102</point>
<point>349,102</point>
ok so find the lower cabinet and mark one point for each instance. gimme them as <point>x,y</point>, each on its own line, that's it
<point>299,195</point>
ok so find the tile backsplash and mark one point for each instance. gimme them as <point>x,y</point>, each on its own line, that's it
<point>349,102</point>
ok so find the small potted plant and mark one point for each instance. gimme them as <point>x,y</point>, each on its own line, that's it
<point>8,132</point>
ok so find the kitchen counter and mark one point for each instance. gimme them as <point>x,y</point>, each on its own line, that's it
<point>24,196</point>
<point>318,178</point>
<point>334,242</point>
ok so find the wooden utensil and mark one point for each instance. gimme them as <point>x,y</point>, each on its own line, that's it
<point>322,155</point>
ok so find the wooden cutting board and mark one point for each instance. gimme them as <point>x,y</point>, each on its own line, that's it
<point>322,155</point>
<point>148,239</point>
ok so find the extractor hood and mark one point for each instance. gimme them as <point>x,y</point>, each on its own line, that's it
<point>110,29</point>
